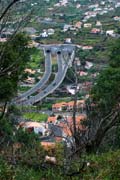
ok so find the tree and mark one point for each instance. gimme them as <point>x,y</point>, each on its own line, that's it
<point>106,99</point>
<point>7,8</point>
<point>16,55</point>
<point>102,108</point>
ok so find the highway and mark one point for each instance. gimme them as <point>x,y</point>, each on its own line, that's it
<point>65,56</point>
<point>62,69</point>
<point>42,82</point>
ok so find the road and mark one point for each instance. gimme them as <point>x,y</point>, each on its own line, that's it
<point>62,69</point>
<point>65,56</point>
<point>42,82</point>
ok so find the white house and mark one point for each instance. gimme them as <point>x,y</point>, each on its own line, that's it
<point>98,23</point>
<point>110,33</point>
<point>51,31</point>
<point>88,65</point>
<point>44,34</point>
<point>116,18</point>
<point>68,40</point>
<point>87,25</point>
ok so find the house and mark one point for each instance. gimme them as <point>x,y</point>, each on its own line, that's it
<point>59,106</point>
<point>87,47</point>
<point>50,31</point>
<point>110,33</point>
<point>82,73</point>
<point>44,34</point>
<point>68,40</point>
<point>37,128</point>
<point>95,31</point>
<point>80,104</point>
<point>88,65</point>
<point>68,106</point>
<point>52,119</point>
<point>87,25</point>
<point>98,23</point>
<point>30,71</point>
<point>72,89</point>
<point>78,25</point>
<point>116,18</point>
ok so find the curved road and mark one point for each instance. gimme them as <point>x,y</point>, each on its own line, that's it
<point>46,76</point>
<point>62,69</point>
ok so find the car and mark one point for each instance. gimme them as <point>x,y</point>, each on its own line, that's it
<point>54,84</point>
<point>48,51</point>
<point>59,52</point>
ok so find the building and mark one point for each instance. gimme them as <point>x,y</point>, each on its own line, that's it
<point>110,33</point>
<point>78,25</point>
<point>116,18</point>
<point>52,119</point>
<point>68,40</point>
<point>95,31</point>
<point>30,71</point>
<point>98,23</point>
<point>59,106</point>
<point>36,127</point>
<point>68,106</point>
<point>50,31</point>
<point>87,47</point>
<point>87,25</point>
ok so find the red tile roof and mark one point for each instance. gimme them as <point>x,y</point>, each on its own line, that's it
<point>58,105</point>
<point>52,119</point>
<point>30,124</point>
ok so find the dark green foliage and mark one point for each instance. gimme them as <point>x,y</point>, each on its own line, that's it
<point>15,55</point>
<point>115,55</point>
<point>103,167</point>
<point>107,89</point>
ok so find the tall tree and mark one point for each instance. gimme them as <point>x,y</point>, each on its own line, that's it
<point>16,55</point>
<point>103,106</point>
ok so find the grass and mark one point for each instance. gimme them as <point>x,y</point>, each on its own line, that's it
<point>23,89</point>
<point>36,59</point>
<point>102,167</point>
<point>38,117</point>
